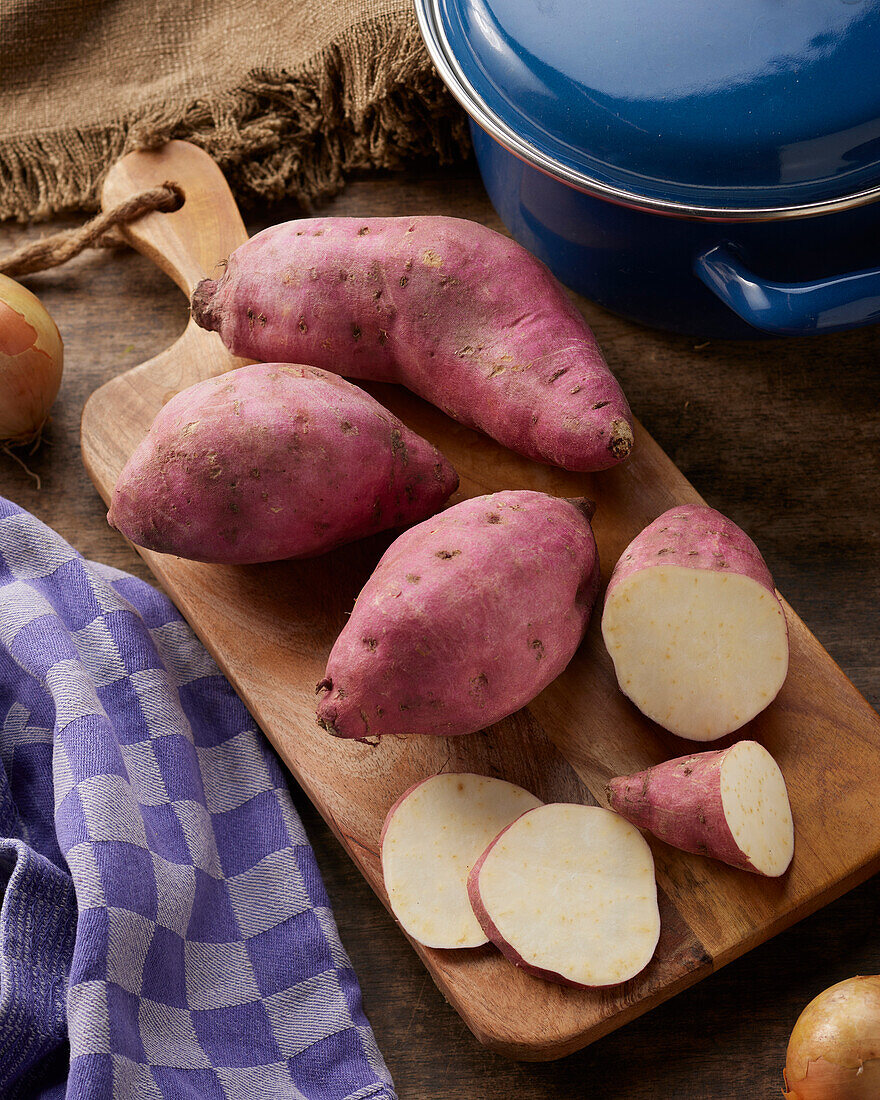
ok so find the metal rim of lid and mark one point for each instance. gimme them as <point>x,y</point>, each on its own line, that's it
<point>458,85</point>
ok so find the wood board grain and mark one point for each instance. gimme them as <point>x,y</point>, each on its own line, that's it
<point>270,628</point>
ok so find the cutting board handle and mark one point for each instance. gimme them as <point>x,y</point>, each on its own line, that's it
<point>188,243</point>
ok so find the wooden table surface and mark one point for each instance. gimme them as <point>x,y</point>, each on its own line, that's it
<point>782,436</point>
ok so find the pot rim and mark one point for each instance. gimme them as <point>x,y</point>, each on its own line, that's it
<point>460,88</point>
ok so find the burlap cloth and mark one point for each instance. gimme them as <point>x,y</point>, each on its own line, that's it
<point>287,95</point>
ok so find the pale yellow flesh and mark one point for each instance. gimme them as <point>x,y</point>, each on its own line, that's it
<point>571,889</point>
<point>756,807</point>
<point>434,837</point>
<point>699,652</point>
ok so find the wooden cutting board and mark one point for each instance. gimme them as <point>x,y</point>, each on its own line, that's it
<point>271,627</point>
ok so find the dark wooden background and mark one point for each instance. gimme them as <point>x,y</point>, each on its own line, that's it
<point>783,436</point>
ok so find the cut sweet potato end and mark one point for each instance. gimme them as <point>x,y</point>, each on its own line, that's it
<point>698,651</point>
<point>756,807</point>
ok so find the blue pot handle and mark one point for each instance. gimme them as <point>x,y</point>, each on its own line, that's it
<point>791,309</point>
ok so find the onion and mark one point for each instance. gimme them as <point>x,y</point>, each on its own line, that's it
<point>31,356</point>
<point>834,1050</point>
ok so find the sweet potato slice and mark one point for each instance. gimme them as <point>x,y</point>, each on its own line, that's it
<point>693,625</point>
<point>567,892</point>
<point>433,835</point>
<point>731,804</point>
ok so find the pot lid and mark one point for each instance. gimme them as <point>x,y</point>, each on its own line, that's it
<point>751,104</point>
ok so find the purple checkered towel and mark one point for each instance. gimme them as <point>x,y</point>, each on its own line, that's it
<point>162,910</point>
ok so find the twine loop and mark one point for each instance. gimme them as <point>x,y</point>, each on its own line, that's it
<point>100,232</point>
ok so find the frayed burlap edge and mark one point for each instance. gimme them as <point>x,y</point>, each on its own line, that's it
<point>369,100</point>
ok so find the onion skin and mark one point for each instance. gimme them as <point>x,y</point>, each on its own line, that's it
<point>31,358</point>
<point>834,1049</point>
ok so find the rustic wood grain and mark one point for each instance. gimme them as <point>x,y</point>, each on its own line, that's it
<point>781,435</point>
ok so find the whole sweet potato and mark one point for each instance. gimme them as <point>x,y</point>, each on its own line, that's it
<point>466,618</point>
<point>457,313</point>
<point>274,461</point>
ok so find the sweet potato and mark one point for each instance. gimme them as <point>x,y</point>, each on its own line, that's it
<point>730,804</point>
<point>274,461</point>
<point>693,624</point>
<point>433,835</point>
<point>457,313</point>
<point>466,618</point>
<point>568,893</point>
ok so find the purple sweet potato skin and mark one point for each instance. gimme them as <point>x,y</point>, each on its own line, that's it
<point>467,617</point>
<point>274,461</point>
<point>680,802</point>
<point>696,537</point>
<point>457,313</point>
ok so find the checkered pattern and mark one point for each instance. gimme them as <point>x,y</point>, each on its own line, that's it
<point>168,918</point>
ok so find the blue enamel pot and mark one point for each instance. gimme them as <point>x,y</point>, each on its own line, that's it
<point>713,169</point>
